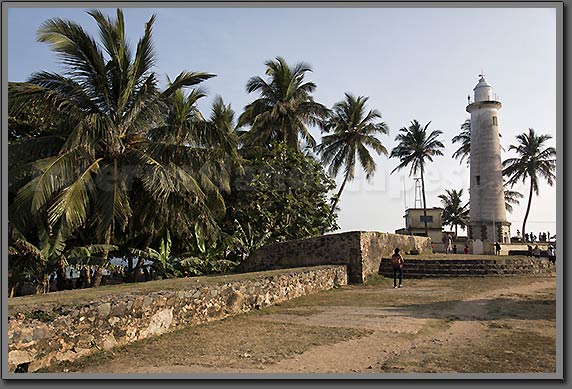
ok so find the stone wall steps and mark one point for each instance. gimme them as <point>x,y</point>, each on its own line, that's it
<point>420,268</point>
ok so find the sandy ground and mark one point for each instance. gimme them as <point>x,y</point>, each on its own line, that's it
<point>495,325</point>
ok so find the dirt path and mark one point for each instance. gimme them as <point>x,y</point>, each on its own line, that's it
<point>429,326</point>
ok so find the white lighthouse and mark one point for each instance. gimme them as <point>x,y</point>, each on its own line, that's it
<point>487,207</point>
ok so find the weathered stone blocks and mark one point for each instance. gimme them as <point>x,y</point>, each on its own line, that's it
<point>361,251</point>
<point>120,319</point>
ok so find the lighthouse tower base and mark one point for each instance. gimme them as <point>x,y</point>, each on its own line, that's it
<point>484,231</point>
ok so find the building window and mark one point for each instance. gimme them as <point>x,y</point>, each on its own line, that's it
<point>429,219</point>
<point>495,121</point>
<point>478,180</point>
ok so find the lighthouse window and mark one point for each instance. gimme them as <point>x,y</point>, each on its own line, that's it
<point>478,180</point>
<point>495,121</point>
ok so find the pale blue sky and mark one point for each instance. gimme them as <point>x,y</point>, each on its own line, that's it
<point>412,63</point>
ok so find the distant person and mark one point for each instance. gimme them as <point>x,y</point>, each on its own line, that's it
<point>536,252</point>
<point>448,244</point>
<point>466,250</point>
<point>529,250</point>
<point>397,265</point>
<point>526,237</point>
<point>497,248</point>
<point>551,254</point>
<point>454,249</point>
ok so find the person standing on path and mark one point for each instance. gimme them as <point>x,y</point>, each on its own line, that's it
<point>551,254</point>
<point>536,252</point>
<point>497,248</point>
<point>397,265</point>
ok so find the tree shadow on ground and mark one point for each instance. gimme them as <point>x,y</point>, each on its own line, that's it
<point>482,310</point>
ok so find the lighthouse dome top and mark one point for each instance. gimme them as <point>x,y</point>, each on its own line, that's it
<point>483,90</point>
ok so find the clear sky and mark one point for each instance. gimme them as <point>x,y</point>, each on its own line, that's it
<point>412,63</point>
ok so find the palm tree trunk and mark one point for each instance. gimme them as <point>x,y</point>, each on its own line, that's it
<point>13,289</point>
<point>337,199</point>
<point>424,203</point>
<point>87,280</point>
<point>62,282</point>
<point>527,208</point>
<point>98,272</point>
<point>129,268</point>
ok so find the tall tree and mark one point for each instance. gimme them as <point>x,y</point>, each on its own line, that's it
<point>454,212</point>
<point>107,156</point>
<point>283,195</point>
<point>416,148</point>
<point>354,130</point>
<point>534,161</point>
<point>285,107</point>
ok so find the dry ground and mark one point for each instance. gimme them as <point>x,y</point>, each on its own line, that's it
<point>469,325</point>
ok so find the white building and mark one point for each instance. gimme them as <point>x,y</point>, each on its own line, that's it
<point>488,213</point>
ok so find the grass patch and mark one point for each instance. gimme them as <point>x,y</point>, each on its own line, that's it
<point>235,342</point>
<point>506,351</point>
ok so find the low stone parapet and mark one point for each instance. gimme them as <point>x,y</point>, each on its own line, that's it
<point>63,326</point>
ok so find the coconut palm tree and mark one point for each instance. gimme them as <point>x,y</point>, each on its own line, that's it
<point>285,107</point>
<point>354,130</point>
<point>106,155</point>
<point>454,212</point>
<point>416,148</point>
<point>464,137</point>
<point>534,161</point>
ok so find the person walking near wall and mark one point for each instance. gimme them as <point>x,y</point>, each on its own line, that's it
<point>551,254</point>
<point>536,252</point>
<point>397,265</point>
<point>497,248</point>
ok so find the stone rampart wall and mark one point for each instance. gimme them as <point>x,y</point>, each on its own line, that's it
<point>361,251</point>
<point>426,268</point>
<point>40,334</point>
<point>378,245</point>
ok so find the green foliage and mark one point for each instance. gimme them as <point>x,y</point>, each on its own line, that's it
<point>416,147</point>
<point>534,161</point>
<point>285,108</point>
<point>281,196</point>
<point>454,212</point>
<point>206,259</point>
<point>115,148</point>
<point>353,131</point>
